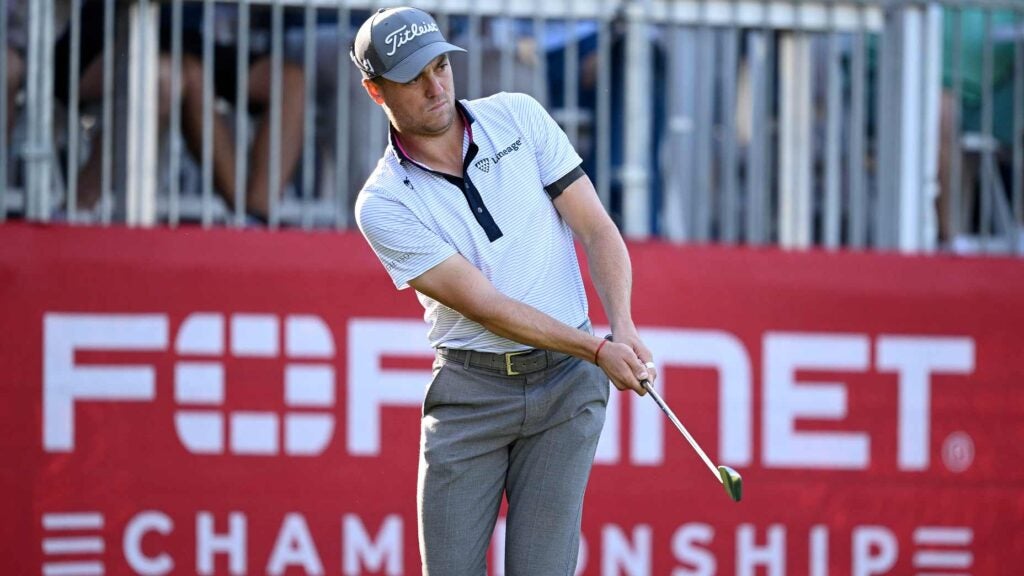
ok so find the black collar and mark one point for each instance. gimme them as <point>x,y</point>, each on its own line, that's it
<point>465,184</point>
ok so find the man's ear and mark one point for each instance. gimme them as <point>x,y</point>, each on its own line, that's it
<point>373,89</point>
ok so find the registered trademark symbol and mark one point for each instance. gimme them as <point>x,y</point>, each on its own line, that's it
<point>958,452</point>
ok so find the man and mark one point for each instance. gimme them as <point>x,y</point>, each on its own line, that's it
<point>474,205</point>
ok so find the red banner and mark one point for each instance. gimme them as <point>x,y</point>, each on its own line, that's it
<point>224,402</point>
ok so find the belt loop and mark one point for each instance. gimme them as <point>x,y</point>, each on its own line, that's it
<point>469,356</point>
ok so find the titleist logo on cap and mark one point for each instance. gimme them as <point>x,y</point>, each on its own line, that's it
<point>403,35</point>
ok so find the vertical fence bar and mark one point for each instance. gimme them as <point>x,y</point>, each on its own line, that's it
<point>309,120</point>
<point>756,184</point>
<point>880,149</point>
<point>727,165</point>
<point>636,177</point>
<point>140,188</point>
<point>886,135</point>
<point>32,107</point>
<point>506,45</point>
<point>341,123</point>
<point>540,91</point>
<point>505,50</point>
<point>924,185</point>
<point>174,160</point>
<point>678,178</point>
<point>541,65</point>
<point>771,140</point>
<point>46,160</point>
<point>377,127</point>
<point>207,154</point>
<point>73,111</point>
<point>705,93</point>
<point>1018,132</point>
<point>441,15</point>
<point>604,108</point>
<point>241,191</point>
<point>277,63</point>
<point>955,175</point>
<point>833,112</point>
<point>107,169</point>
<point>475,54</point>
<point>690,178</point>
<point>4,120</point>
<point>987,194</point>
<point>795,206</point>
<point>857,234</point>
<point>953,197</point>
<point>36,154</point>
<point>930,127</point>
<point>570,78</point>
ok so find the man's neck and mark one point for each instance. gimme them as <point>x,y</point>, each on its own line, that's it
<point>441,152</point>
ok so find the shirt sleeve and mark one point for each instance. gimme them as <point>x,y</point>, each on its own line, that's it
<point>403,244</point>
<point>555,155</point>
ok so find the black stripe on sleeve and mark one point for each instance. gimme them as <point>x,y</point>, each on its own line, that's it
<point>556,188</point>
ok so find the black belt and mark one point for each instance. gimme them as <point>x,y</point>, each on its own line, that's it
<point>508,363</point>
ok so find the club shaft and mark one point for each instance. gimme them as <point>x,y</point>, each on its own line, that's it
<point>671,416</point>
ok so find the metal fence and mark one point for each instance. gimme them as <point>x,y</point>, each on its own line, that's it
<point>842,124</point>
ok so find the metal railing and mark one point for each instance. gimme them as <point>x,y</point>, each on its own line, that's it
<point>758,122</point>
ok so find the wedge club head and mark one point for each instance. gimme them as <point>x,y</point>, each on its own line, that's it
<point>732,481</point>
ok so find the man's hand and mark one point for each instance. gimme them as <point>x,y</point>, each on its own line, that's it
<point>625,363</point>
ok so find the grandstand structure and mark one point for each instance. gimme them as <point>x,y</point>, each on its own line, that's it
<point>755,122</point>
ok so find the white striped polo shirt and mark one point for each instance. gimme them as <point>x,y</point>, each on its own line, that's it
<point>499,216</point>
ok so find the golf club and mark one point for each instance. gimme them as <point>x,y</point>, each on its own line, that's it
<point>730,479</point>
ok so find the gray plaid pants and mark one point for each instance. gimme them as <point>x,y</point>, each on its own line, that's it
<point>531,437</point>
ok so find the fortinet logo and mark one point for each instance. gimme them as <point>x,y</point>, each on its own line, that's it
<point>792,403</point>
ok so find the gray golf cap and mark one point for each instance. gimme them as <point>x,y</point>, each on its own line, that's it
<point>397,43</point>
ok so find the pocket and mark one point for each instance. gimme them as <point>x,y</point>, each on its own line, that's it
<point>432,390</point>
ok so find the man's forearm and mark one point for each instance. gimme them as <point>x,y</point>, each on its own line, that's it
<point>525,324</point>
<point>612,274</point>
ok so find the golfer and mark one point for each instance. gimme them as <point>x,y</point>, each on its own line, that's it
<point>474,205</point>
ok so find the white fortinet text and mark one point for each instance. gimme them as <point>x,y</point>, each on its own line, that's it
<point>791,400</point>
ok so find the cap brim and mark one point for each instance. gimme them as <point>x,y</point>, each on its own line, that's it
<point>411,67</point>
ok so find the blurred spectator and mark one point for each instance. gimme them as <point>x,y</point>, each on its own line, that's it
<point>259,91</point>
<point>191,83</point>
<point>972,27</point>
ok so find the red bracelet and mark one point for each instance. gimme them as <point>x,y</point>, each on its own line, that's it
<point>598,351</point>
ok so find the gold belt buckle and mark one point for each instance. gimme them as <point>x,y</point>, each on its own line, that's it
<point>508,361</point>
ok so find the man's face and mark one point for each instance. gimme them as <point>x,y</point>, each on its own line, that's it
<point>424,106</point>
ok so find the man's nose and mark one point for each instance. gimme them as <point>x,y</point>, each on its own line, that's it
<point>434,85</point>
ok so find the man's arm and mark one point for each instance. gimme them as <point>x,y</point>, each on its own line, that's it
<point>458,284</point>
<point>610,268</point>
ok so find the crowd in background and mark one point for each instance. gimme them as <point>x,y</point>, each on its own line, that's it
<point>496,33</point>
